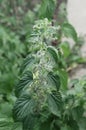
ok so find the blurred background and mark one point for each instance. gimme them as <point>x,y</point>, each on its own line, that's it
<point>77,15</point>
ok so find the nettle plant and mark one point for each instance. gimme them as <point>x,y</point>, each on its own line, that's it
<point>44,101</point>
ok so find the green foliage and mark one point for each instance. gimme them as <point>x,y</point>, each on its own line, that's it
<point>47,9</point>
<point>10,52</point>
<point>44,100</point>
<point>66,49</point>
<point>69,31</point>
<point>40,81</point>
<point>6,123</point>
<point>23,107</point>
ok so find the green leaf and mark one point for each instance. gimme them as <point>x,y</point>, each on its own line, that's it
<point>23,107</point>
<point>7,124</point>
<point>24,82</point>
<point>65,49</point>
<point>69,31</point>
<point>55,79</point>
<point>63,78</point>
<point>27,61</point>
<point>29,122</point>
<point>53,52</point>
<point>73,124</point>
<point>47,123</point>
<point>77,113</point>
<point>53,107</point>
<point>56,95</point>
<point>47,9</point>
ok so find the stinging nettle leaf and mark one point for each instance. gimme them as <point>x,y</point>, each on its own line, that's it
<point>53,52</point>
<point>23,107</point>
<point>29,122</point>
<point>27,61</point>
<point>53,107</point>
<point>57,97</point>
<point>69,31</point>
<point>5,122</point>
<point>55,79</point>
<point>65,49</point>
<point>24,81</point>
<point>63,78</point>
<point>47,9</point>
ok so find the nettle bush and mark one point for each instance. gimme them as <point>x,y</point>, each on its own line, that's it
<point>44,101</point>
